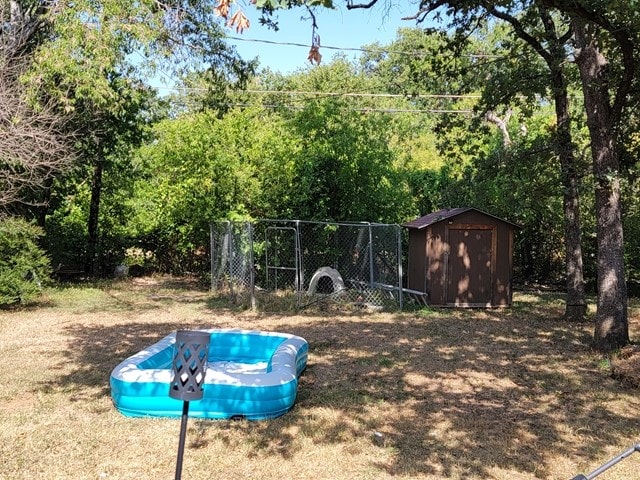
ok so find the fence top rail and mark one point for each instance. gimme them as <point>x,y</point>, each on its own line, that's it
<point>326,222</point>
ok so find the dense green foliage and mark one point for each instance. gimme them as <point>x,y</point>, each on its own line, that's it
<point>198,169</point>
<point>325,162</point>
<point>433,120</point>
<point>24,267</point>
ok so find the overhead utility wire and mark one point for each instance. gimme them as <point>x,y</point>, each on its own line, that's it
<point>332,94</point>
<point>362,49</point>
<point>362,110</point>
<point>352,94</point>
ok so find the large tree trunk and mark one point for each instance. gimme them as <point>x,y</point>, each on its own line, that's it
<point>611,324</point>
<point>552,48</point>
<point>94,213</point>
<point>576,301</point>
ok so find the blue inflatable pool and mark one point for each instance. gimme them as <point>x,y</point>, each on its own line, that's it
<point>250,374</point>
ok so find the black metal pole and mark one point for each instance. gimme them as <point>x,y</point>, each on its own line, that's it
<point>189,370</point>
<point>183,434</point>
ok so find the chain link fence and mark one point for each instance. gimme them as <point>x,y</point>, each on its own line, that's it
<point>357,264</point>
<point>232,259</point>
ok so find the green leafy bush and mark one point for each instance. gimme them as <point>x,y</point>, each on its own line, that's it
<point>23,265</point>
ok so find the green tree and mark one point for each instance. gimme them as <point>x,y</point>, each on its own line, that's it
<point>348,165</point>
<point>91,69</point>
<point>440,82</point>
<point>548,37</point>
<point>200,168</point>
<point>24,267</point>
<point>35,143</point>
<point>109,134</point>
<point>498,64</point>
<point>605,100</point>
<point>601,31</point>
<point>345,168</point>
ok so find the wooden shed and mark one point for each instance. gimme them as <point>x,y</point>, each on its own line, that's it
<point>461,257</point>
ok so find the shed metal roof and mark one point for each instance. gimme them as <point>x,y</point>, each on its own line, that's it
<point>444,214</point>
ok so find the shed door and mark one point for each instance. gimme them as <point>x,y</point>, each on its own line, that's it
<point>469,278</point>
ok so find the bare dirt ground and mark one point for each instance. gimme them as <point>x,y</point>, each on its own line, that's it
<point>432,394</point>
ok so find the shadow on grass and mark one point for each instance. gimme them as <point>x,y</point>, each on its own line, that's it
<point>95,351</point>
<point>468,393</point>
<point>451,391</point>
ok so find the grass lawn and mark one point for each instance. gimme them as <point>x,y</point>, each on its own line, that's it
<point>461,394</point>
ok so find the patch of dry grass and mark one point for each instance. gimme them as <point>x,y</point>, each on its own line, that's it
<point>504,394</point>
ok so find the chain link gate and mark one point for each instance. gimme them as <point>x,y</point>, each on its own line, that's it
<point>232,259</point>
<point>358,264</point>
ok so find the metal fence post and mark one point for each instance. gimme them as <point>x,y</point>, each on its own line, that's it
<point>252,276</point>
<point>370,256</point>
<point>212,249</point>
<point>230,260</point>
<point>399,259</point>
<point>299,278</point>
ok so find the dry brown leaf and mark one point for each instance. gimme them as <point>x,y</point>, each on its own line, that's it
<point>314,55</point>
<point>240,21</point>
<point>222,9</point>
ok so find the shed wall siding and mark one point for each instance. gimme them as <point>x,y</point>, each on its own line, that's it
<point>479,263</point>
<point>416,257</point>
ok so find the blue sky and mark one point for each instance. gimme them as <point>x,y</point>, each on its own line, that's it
<point>337,28</point>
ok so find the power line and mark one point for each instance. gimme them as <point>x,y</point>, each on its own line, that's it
<point>374,95</point>
<point>275,106</point>
<point>417,53</point>
<point>335,94</point>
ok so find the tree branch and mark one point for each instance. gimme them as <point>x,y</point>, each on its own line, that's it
<point>623,38</point>
<point>352,6</point>
<point>520,31</point>
<point>501,123</point>
<point>35,143</point>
